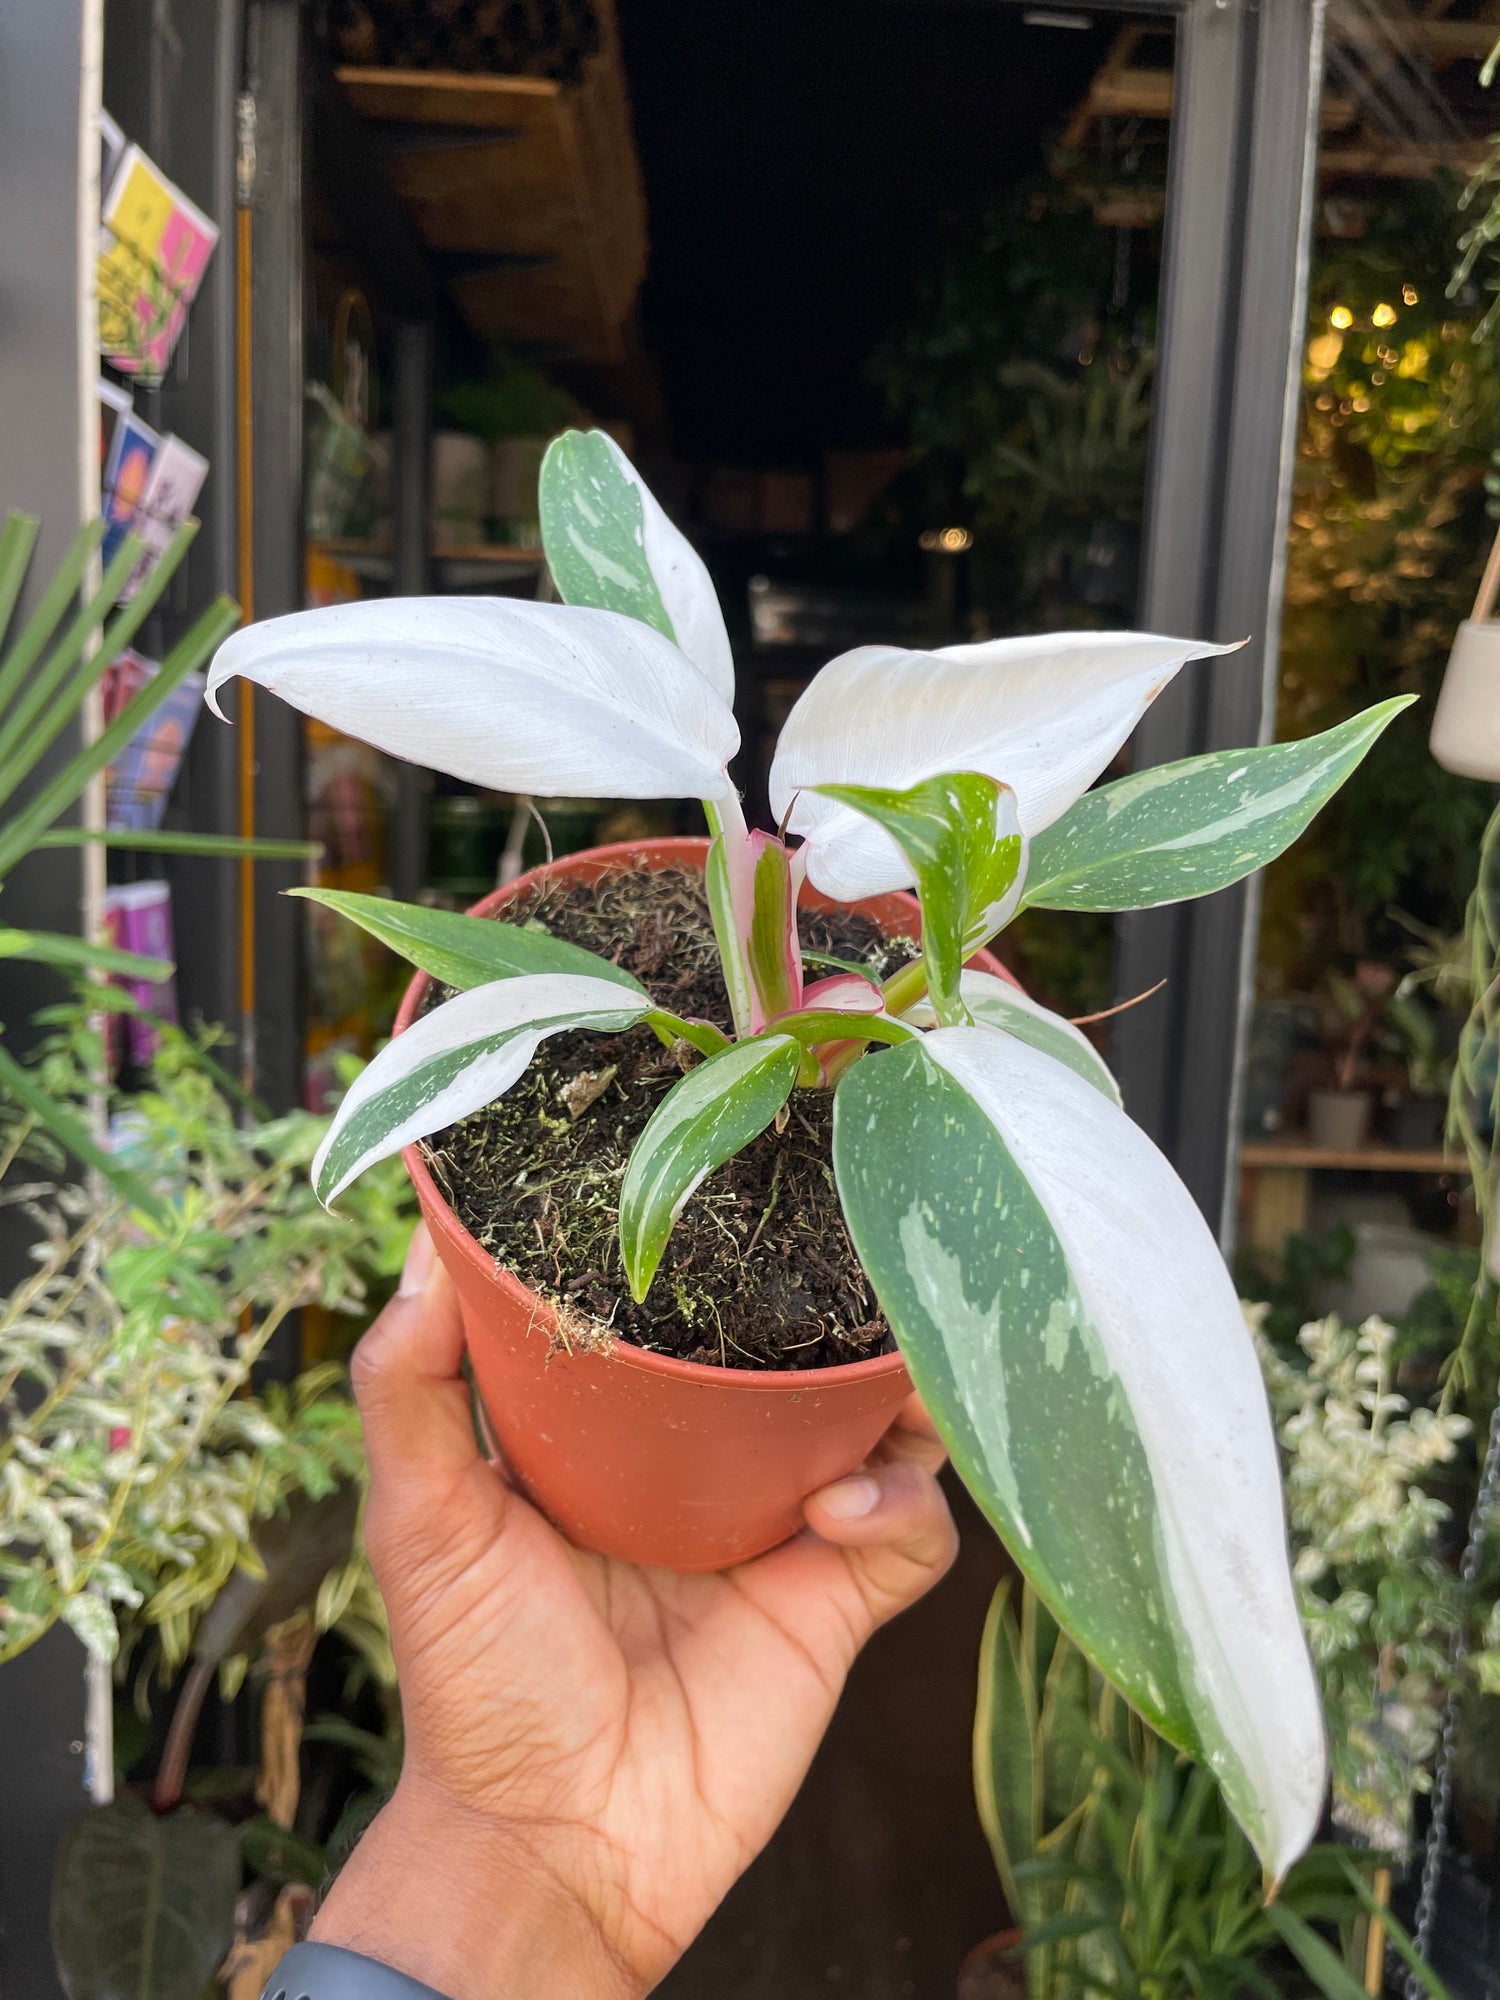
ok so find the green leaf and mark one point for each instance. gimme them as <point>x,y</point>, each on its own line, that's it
<point>1318,1960</point>
<point>464,951</point>
<point>996,1003</point>
<point>961,835</point>
<point>143,1905</point>
<point>1186,829</point>
<point>1005,1718</point>
<point>458,1058</point>
<point>704,1120</point>
<point>76,1137</point>
<point>833,1024</point>
<point>594,529</point>
<point>17,540</point>
<point>49,612</point>
<point>49,948</point>
<point>1399,1936</point>
<point>19,835</point>
<point>610,545</point>
<point>161,840</point>
<point>771,947</point>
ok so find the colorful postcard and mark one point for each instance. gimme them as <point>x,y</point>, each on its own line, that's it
<point>111,152</point>
<point>142,776</point>
<point>114,403</point>
<point>172,485</point>
<point>157,249</point>
<point>124,678</point>
<point>138,917</point>
<point>127,470</point>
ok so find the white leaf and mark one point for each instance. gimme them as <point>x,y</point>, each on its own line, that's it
<point>552,699</point>
<point>996,1003</point>
<point>457,1059</point>
<point>1152,1283</point>
<point>1043,715</point>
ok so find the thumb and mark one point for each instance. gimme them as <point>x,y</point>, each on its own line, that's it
<point>415,1408</point>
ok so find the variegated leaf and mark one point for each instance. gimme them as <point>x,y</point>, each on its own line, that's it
<point>547,698</point>
<point>961,834</point>
<point>466,951</point>
<point>1185,829</point>
<point>1069,1322</point>
<point>1043,714</point>
<point>996,1003</point>
<point>457,1059</point>
<point>609,544</point>
<point>715,1111</point>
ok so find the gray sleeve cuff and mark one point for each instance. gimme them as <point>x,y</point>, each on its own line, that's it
<point>327,1972</point>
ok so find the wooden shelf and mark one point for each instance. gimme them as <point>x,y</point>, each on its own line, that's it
<point>455,566</point>
<point>542,221</point>
<point>1372,1159</point>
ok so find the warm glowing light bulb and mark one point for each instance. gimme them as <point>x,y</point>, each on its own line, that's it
<point>1341,317</point>
<point>1384,315</point>
<point>1409,294</point>
<point>956,540</point>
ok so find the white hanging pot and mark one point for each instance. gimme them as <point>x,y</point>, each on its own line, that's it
<point>1466,726</point>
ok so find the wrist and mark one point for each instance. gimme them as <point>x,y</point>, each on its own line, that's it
<point>449,1898</point>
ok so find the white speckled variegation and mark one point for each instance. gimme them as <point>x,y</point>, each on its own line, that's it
<point>1067,1316</point>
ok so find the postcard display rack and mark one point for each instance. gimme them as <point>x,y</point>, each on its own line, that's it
<point>154,247</point>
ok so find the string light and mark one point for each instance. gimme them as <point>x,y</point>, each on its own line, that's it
<point>1409,294</point>
<point>1384,315</point>
<point>1341,317</point>
<point>951,541</point>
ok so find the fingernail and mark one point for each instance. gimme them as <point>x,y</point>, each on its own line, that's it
<point>417,1269</point>
<point>850,1498</point>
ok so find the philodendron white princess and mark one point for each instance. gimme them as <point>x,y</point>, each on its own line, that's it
<point>1057,1295</point>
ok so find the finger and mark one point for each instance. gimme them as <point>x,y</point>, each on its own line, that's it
<point>413,1401</point>
<point>913,1435</point>
<point>891,1529</point>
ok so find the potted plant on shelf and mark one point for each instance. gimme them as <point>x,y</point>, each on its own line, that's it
<point>1354,1010</point>
<point>1419,1031</point>
<point>920,1175</point>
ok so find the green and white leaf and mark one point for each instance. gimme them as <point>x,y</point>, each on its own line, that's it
<point>995,1003</point>
<point>609,545</point>
<point>714,1112</point>
<point>1186,829</point>
<point>1069,1322</point>
<point>961,835</point>
<point>466,951</point>
<point>460,1057</point>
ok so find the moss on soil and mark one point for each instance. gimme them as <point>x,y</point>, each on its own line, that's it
<point>759,1272</point>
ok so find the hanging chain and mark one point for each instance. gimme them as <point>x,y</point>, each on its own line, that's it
<point>1435,1851</point>
<point>1474,1117</point>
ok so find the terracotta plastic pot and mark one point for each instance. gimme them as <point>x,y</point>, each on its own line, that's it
<point>635,1454</point>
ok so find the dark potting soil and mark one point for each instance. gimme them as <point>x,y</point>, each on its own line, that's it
<point>759,1271</point>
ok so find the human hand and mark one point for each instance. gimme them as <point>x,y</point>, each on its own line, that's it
<point>594,1751</point>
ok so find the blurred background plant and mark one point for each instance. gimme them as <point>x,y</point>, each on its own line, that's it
<point>179,1508</point>
<point>1119,1861</point>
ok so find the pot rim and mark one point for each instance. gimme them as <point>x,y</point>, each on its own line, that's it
<point>796,1381</point>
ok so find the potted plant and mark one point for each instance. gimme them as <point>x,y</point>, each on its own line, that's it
<point>1123,1870</point>
<point>508,416</point>
<point>1354,1010</point>
<point>1002,1231</point>
<point>1418,1027</point>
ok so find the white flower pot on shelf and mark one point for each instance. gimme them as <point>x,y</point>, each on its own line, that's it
<point>1466,726</point>
<point>460,487</point>
<point>1338,1119</point>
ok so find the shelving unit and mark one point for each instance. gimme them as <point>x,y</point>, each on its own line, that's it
<point>453,566</point>
<point>1279,1175</point>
